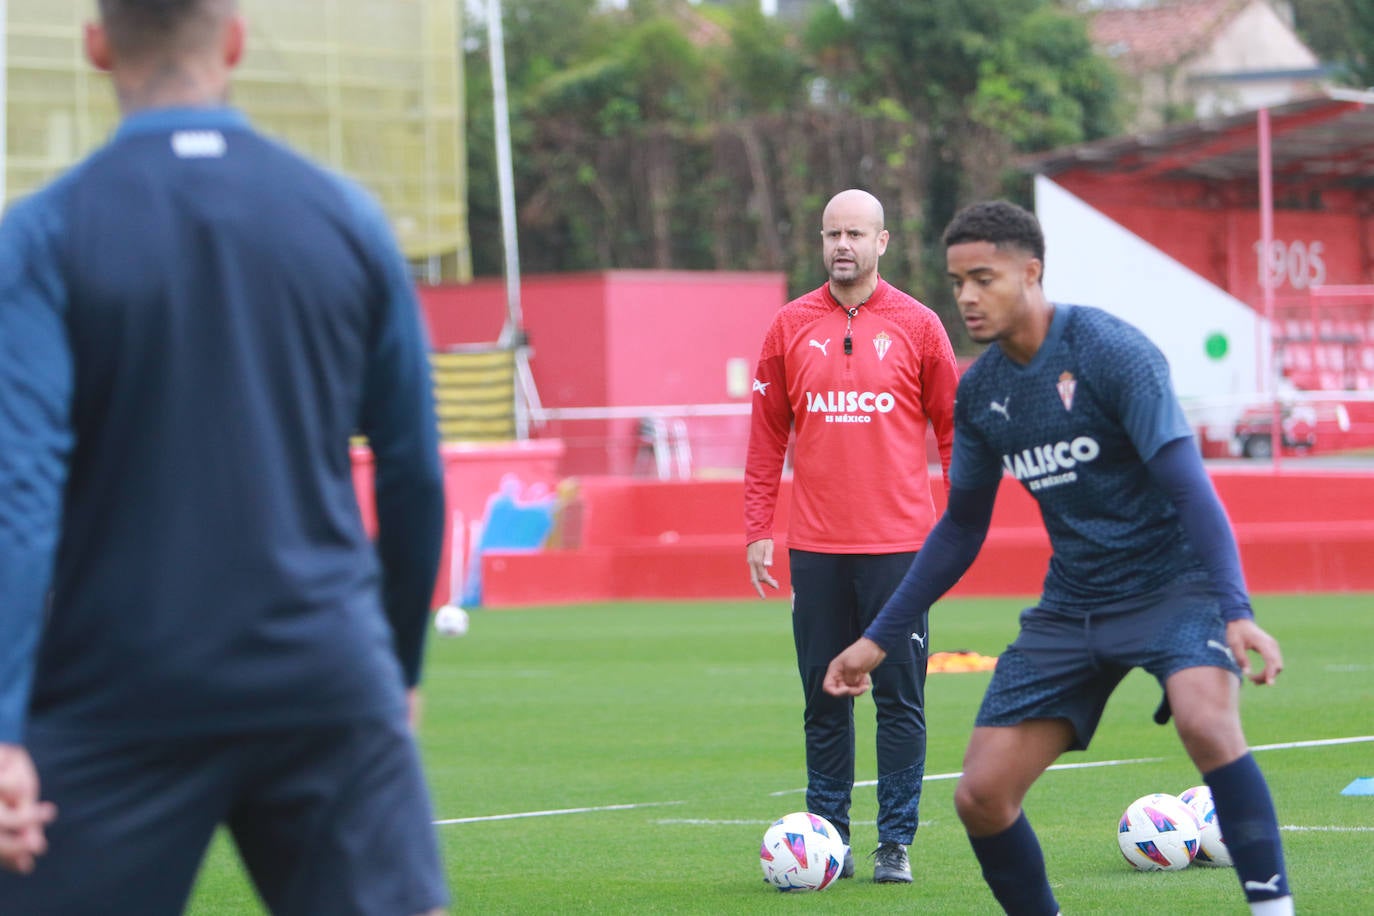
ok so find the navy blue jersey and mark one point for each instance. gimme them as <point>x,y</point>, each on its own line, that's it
<point>1075,426</point>
<point>193,322</point>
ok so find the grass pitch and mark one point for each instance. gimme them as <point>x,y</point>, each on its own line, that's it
<point>626,758</point>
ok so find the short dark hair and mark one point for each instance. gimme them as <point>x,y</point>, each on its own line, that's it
<point>1000,222</point>
<point>141,27</point>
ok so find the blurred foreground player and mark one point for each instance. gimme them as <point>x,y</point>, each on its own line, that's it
<point>1077,405</point>
<point>194,627</point>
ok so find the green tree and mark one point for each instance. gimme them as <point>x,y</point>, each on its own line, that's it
<point>1341,32</point>
<point>765,71</point>
<point>986,79</point>
<point>675,135</point>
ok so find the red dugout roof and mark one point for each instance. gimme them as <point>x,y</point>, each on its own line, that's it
<point>1319,144</point>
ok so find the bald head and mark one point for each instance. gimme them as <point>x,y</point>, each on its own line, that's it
<point>853,240</point>
<point>855,204</point>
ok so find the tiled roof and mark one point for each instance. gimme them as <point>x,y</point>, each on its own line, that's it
<point>1149,38</point>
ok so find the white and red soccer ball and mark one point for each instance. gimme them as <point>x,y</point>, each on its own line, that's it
<point>1158,832</point>
<point>801,852</point>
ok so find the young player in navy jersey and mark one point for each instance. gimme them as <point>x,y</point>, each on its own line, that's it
<point>195,629</point>
<point>1077,405</point>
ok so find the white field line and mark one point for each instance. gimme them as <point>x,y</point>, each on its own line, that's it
<point>1287,745</point>
<point>1325,742</point>
<point>935,777</point>
<point>927,824</point>
<point>551,813</point>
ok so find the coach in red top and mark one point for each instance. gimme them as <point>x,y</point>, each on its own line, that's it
<point>856,368</point>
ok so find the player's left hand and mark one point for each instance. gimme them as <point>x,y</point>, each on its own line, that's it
<point>847,675</point>
<point>1245,636</point>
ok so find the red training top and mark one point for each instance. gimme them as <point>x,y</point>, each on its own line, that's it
<point>860,483</point>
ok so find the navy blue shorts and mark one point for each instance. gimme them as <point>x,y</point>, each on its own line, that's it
<point>327,820</point>
<point>1064,665</point>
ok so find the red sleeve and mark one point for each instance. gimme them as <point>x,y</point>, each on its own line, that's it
<point>770,427</point>
<point>939,380</point>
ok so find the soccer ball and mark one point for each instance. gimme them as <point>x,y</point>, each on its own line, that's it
<point>801,852</point>
<point>1158,833</point>
<point>451,620</point>
<point>1211,848</point>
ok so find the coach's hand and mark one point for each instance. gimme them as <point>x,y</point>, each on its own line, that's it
<point>1245,636</point>
<point>760,557</point>
<point>847,675</point>
<point>22,815</point>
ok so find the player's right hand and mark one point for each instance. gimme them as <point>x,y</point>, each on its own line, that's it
<point>847,675</point>
<point>760,558</point>
<point>22,815</point>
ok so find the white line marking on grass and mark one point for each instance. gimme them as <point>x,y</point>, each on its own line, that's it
<point>935,777</point>
<point>552,813</point>
<point>1292,829</point>
<point>1346,669</point>
<point>1287,745</point>
<point>1325,742</point>
<point>707,822</point>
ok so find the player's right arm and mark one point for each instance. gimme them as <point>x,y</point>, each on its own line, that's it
<point>770,426</point>
<point>22,815</point>
<point>36,389</point>
<point>947,554</point>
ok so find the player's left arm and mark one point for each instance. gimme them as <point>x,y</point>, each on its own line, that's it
<point>1177,468</point>
<point>398,418</point>
<point>1137,376</point>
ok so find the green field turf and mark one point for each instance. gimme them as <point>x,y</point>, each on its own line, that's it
<point>692,712</point>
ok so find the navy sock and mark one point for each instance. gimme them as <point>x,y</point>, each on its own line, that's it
<point>1014,868</point>
<point>1249,827</point>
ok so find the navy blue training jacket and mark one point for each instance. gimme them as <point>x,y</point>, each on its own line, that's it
<point>193,322</point>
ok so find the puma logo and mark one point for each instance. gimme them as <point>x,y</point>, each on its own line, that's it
<point>1272,885</point>
<point>1001,408</point>
<point>821,346</point>
<point>1221,647</point>
<point>919,640</point>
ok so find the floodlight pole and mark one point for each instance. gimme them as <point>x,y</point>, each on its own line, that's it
<point>1265,352</point>
<point>513,331</point>
<point>505,173</point>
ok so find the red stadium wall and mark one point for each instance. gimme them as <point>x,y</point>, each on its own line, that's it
<point>626,339</point>
<point>473,473</point>
<point>1298,531</point>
